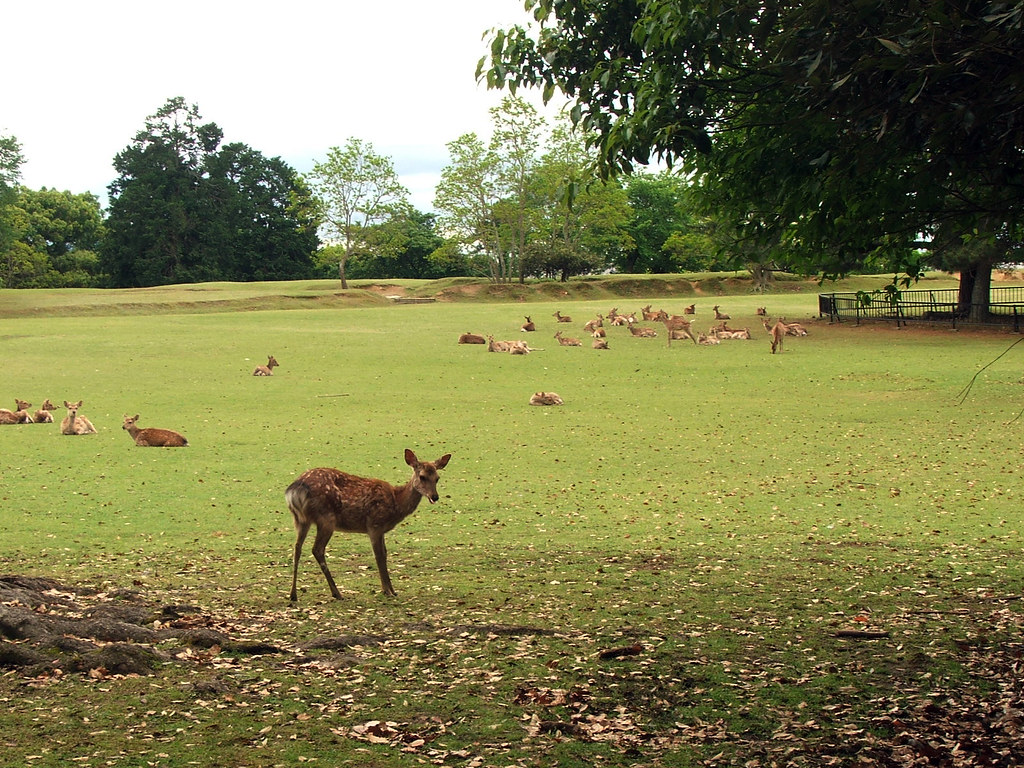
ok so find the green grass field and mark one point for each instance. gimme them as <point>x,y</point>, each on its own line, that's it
<point>659,572</point>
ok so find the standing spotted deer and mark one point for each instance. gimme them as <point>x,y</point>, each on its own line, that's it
<point>333,500</point>
<point>268,369</point>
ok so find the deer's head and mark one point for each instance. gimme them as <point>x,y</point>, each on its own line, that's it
<point>425,477</point>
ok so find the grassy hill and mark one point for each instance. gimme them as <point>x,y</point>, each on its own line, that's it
<point>309,294</point>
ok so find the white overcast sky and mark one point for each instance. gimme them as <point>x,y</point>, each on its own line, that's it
<point>289,79</point>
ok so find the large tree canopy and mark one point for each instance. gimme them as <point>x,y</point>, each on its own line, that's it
<point>839,131</point>
<point>184,209</point>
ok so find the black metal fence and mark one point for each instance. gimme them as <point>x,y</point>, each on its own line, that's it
<point>1006,307</point>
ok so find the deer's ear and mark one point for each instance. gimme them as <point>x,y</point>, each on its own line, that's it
<point>442,462</point>
<point>410,458</point>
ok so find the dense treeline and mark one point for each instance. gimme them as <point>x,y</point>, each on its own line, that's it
<point>186,208</point>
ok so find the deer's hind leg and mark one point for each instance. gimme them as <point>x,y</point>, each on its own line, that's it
<point>323,535</point>
<point>301,529</point>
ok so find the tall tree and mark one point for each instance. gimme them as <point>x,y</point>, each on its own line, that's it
<point>185,209</point>
<point>466,196</point>
<point>580,222</point>
<point>158,219</point>
<point>849,129</point>
<point>266,224</point>
<point>357,189</point>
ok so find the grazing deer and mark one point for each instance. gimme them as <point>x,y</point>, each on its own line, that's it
<point>43,415</point>
<point>778,334</point>
<point>528,325</point>
<point>561,318</point>
<point>720,315</point>
<point>336,501</point>
<point>545,398</point>
<point>690,310</point>
<point>19,416</point>
<point>73,424</point>
<point>567,341</point>
<point>472,338</point>
<point>268,369</point>
<point>678,327</point>
<point>151,436</point>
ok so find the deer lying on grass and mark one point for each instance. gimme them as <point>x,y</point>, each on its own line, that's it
<point>731,333</point>
<point>792,329</point>
<point>720,315</point>
<point>333,501</point>
<point>151,436</point>
<point>567,341</point>
<point>472,338</point>
<point>690,310</point>
<point>545,398</point>
<point>528,325</point>
<point>593,325</point>
<point>561,318</point>
<point>599,341</point>
<point>43,415</point>
<point>642,333</point>
<point>73,424</point>
<point>762,311</point>
<point>649,316</point>
<point>626,320</point>
<point>703,338</point>
<point>678,327</point>
<point>19,416</point>
<point>268,369</point>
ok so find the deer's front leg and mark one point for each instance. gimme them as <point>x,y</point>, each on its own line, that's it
<point>380,553</point>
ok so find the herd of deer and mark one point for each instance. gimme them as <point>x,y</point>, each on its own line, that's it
<point>76,424</point>
<point>677,327</point>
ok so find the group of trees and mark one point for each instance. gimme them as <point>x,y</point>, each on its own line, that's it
<point>833,137</point>
<point>186,208</point>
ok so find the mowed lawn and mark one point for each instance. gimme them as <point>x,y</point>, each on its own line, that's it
<point>660,571</point>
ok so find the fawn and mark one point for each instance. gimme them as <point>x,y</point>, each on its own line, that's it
<point>333,500</point>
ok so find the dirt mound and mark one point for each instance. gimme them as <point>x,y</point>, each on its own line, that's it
<point>50,628</point>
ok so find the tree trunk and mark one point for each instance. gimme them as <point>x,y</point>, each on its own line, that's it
<point>965,292</point>
<point>341,275</point>
<point>980,295</point>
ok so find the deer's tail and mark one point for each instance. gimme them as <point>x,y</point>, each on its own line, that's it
<point>297,498</point>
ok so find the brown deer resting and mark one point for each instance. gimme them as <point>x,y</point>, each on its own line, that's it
<point>545,398</point>
<point>528,325</point>
<point>43,415</point>
<point>19,416</point>
<point>73,424</point>
<point>720,315</point>
<point>562,318</point>
<point>567,341</point>
<point>335,501</point>
<point>268,369</point>
<point>151,436</point>
<point>472,338</point>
